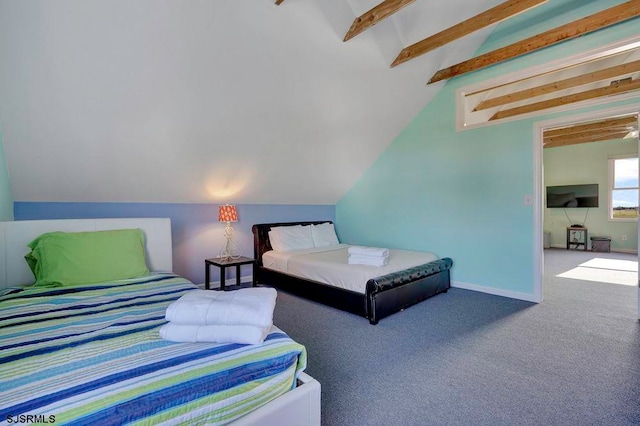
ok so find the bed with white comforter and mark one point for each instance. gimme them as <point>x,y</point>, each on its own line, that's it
<point>329,265</point>
<point>322,272</point>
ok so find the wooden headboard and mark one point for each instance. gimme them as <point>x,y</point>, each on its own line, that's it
<point>261,241</point>
<point>14,237</point>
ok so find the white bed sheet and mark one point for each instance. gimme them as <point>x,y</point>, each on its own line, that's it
<point>329,265</point>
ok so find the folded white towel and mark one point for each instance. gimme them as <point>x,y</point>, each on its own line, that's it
<point>247,306</point>
<point>244,334</point>
<point>369,251</point>
<point>368,260</point>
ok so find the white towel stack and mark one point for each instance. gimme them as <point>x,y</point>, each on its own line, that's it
<point>241,316</point>
<point>373,256</point>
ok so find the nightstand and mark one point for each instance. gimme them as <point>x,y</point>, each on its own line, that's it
<point>225,263</point>
<point>576,237</point>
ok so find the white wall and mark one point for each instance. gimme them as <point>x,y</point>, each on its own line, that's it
<point>6,200</point>
<point>206,101</point>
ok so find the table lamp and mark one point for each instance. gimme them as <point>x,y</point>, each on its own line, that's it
<point>228,213</point>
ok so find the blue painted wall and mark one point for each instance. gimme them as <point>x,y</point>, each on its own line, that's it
<point>6,201</point>
<point>460,194</point>
<point>197,234</point>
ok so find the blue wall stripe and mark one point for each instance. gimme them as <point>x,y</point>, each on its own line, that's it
<point>196,232</point>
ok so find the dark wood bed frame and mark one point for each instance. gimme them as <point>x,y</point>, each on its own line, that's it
<point>384,295</point>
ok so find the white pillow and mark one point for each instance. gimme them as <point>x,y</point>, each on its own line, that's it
<point>287,238</point>
<point>324,235</point>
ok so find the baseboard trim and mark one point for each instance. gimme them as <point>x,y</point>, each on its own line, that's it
<point>628,251</point>
<point>457,284</point>
<point>495,291</point>
<point>559,246</point>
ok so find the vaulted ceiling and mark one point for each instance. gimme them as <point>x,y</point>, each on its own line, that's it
<point>244,101</point>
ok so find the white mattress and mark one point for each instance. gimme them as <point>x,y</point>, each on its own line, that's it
<point>329,265</point>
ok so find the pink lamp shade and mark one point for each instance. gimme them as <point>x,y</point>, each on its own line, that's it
<point>227,213</point>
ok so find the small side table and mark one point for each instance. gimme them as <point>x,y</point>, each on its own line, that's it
<point>225,263</point>
<point>577,242</point>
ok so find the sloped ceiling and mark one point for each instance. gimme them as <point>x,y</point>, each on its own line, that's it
<point>207,101</point>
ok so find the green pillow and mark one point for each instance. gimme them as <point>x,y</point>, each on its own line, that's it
<point>71,258</point>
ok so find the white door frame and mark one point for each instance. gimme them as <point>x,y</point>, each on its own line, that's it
<point>538,184</point>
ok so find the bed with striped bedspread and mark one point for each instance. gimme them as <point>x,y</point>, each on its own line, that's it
<point>91,354</point>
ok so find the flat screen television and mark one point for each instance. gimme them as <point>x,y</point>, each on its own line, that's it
<point>570,196</point>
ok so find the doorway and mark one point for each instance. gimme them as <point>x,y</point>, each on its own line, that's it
<point>562,219</point>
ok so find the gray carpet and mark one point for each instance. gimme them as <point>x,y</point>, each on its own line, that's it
<point>474,359</point>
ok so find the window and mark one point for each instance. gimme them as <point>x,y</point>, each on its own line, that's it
<point>623,184</point>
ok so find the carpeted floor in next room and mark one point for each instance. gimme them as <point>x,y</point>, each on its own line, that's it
<point>474,359</point>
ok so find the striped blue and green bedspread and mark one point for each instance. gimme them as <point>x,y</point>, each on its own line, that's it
<point>91,354</point>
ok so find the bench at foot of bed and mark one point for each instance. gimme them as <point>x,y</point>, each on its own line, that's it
<point>393,292</point>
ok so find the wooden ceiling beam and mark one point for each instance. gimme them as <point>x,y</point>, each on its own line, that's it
<point>568,83</point>
<point>593,133</point>
<point>492,16</point>
<point>278,2</point>
<point>613,89</point>
<point>375,15</point>
<point>586,135</point>
<point>605,18</point>
<point>627,122</point>
<point>575,141</point>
